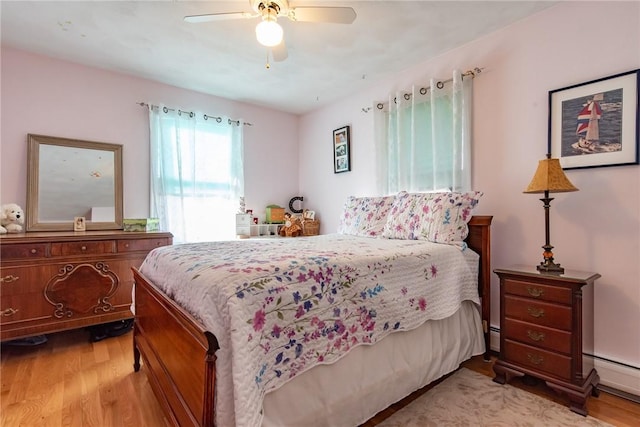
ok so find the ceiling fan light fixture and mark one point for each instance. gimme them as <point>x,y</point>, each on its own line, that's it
<point>269,33</point>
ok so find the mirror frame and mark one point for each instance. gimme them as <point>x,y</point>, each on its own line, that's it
<point>33,222</point>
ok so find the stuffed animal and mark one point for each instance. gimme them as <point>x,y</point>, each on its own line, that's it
<point>11,218</point>
<point>292,226</point>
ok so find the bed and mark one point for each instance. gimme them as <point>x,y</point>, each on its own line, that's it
<point>325,330</point>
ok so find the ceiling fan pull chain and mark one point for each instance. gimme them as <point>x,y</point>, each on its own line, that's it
<point>267,65</point>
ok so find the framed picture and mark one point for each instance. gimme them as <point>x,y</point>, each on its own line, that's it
<point>341,150</point>
<point>79,223</point>
<point>596,123</point>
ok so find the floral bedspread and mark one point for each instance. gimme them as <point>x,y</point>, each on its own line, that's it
<point>281,306</point>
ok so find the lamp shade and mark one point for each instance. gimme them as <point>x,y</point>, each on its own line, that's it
<point>269,33</point>
<point>550,177</point>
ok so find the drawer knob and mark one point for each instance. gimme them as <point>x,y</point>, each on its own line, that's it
<point>9,312</point>
<point>84,248</point>
<point>536,359</point>
<point>535,312</point>
<point>535,292</point>
<point>33,251</point>
<point>126,245</point>
<point>536,336</point>
<point>8,279</point>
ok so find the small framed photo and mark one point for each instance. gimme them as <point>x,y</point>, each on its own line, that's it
<point>596,123</point>
<point>341,150</point>
<point>79,223</point>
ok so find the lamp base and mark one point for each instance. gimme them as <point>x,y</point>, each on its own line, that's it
<point>549,266</point>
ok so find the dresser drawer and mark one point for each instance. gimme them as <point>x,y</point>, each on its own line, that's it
<point>83,248</point>
<point>537,335</point>
<point>23,250</point>
<point>537,291</point>
<point>22,308</point>
<point>24,280</point>
<point>130,245</point>
<point>537,312</point>
<point>537,359</point>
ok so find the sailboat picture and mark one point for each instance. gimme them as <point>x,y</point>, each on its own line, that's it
<point>596,123</point>
<point>596,127</point>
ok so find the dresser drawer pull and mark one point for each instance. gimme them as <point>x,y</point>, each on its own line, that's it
<point>84,248</point>
<point>536,359</point>
<point>536,336</point>
<point>535,312</point>
<point>33,251</point>
<point>9,312</point>
<point>535,292</point>
<point>8,279</point>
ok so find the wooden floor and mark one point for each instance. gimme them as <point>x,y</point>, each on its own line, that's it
<point>71,382</point>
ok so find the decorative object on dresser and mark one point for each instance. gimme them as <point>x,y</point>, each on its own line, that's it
<point>545,328</point>
<point>87,175</point>
<point>11,218</point>
<point>53,281</point>
<point>549,178</point>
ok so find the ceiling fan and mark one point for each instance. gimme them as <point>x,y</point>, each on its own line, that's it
<point>268,32</point>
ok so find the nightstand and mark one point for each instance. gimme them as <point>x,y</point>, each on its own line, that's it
<point>543,327</point>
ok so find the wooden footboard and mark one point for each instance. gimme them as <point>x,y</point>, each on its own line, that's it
<point>179,354</point>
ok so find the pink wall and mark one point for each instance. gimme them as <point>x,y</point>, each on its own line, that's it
<point>46,96</point>
<point>595,229</point>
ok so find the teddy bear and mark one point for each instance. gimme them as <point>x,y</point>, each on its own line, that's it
<point>292,226</point>
<point>11,218</point>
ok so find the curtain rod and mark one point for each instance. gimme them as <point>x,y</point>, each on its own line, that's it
<point>424,90</point>
<point>191,113</point>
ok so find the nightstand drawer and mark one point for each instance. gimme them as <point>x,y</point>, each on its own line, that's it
<point>538,360</point>
<point>537,335</point>
<point>537,291</point>
<point>538,312</point>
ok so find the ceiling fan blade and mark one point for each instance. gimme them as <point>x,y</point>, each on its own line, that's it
<point>336,15</point>
<point>209,17</point>
<point>279,52</point>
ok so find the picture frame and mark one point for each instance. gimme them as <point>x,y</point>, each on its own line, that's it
<point>79,223</point>
<point>341,150</point>
<point>596,123</point>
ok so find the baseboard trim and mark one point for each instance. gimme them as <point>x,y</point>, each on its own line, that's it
<point>615,377</point>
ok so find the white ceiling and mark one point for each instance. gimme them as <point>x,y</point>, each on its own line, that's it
<point>150,39</point>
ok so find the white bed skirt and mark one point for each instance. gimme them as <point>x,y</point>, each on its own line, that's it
<point>370,378</point>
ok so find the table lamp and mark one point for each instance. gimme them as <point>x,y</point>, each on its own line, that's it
<point>549,178</point>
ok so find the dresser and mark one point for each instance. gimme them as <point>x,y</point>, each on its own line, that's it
<point>545,329</point>
<point>54,281</point>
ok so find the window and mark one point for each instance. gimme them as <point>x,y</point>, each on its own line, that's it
<point>196,174</point>
<point>423,138</point>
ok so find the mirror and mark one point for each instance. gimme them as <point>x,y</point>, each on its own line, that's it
<point>69,178</point>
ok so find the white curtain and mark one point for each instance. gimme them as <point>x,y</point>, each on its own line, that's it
<point>423,138</point>
<point>197,174</point>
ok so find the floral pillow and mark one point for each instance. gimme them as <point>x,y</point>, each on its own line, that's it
<point>365,216</point>
<point>437,217</point>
